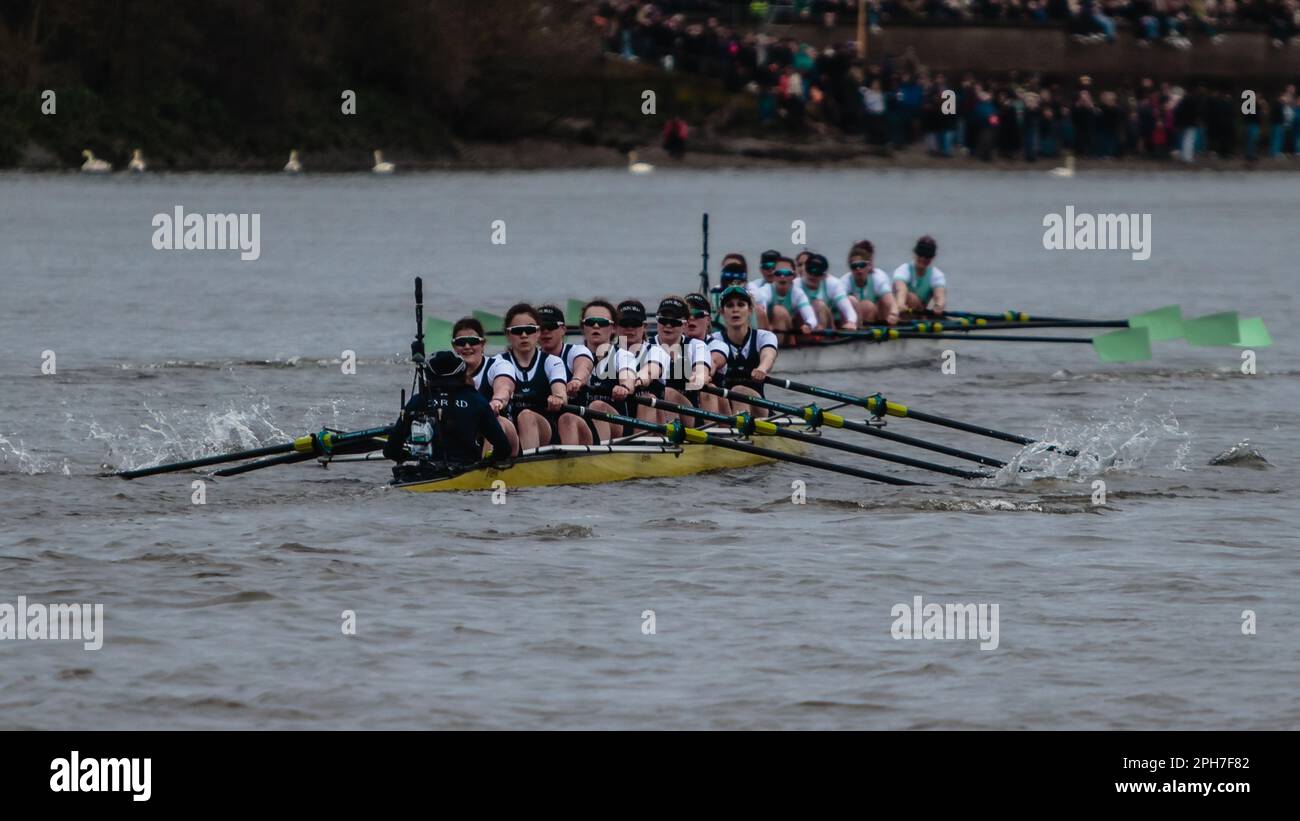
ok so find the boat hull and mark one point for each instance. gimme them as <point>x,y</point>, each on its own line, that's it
<point>598,464</point>
<point>855,354</point>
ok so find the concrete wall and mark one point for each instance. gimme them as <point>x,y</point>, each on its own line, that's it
<point>1245,57</point>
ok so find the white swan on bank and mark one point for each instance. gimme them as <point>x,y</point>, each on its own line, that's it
<point>1066,170</point>
<point>293,166</point>
<point>382,167</point>
<point>92,165</point>
<point>638,167</point>
<point>136,166</point>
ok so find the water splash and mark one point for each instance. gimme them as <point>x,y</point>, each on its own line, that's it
<point>1132,437</point>
<point>26,461</point>
<point>181,434</point>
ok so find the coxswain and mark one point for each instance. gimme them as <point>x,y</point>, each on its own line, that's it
<point>829,301</point>
<point>469,342</point>
<point>869,288</point>
<point>449,422</point>
<point>751,352</point>
<point>919,285</point>
<point>534,391</point>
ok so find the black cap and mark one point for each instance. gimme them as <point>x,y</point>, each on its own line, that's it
<point>550,313</point>
<point>698,302</point>
<point>926,247</point>
<point>631,309</point>
<point>816,264</point>
<point>673,308</point>
<point>445,369</point>
<point>769,256</point>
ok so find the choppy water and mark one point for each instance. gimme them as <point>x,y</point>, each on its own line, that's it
<point>768,614</point>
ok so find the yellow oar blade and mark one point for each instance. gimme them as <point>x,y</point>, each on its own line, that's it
<point>1213,329</point>
<point>1254,334</point>
<point>1128,345</point>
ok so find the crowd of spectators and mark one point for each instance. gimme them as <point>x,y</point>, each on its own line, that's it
<point>1166,21</point>
<point>895,102</point>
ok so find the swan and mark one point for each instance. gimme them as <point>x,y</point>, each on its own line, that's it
<point>293,166</point>
<point>382,167</point>
<point>1066,170</point>
<point>93,165</point>
<point>638,167</point>
<point>136,166</point>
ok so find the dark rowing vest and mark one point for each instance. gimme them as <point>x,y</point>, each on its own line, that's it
<point>741,361</point>
<point>481,383</point>
<point>681,367</point>
<point>531,385</point>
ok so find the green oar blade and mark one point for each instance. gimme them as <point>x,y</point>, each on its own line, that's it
<point>1162,323</point>
<point>1254,334</point>
<point>1213,329</point>
<point>573,312</point>
<point>437,334</point>
<point>1128,345</point>
<point>491,322</point>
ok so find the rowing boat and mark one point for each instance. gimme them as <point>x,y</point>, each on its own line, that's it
<point>639,458</point>
<point>848,354</point>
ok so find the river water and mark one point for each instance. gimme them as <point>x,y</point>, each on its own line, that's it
<point>767,613</point>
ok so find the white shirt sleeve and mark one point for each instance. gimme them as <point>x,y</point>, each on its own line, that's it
<point>577,352</point>
<point>766,339</point>
<point>754,285</point>
<point>840,299</point>
<point>762,296</point>
<point>555,371</point>
<point>804,306</point>
<point>498,366</point>
<point>697,352</point>
<point>880,283</point>
<point>937,279</point>
<point>903,273</point>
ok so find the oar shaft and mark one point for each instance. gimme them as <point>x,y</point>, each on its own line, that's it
<point>218,459</point>
<point>765,428</point>
<point>837,421</point>
<point>956,333</point>
<point>704,438</point>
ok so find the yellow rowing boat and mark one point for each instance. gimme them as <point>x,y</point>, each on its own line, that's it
<point>639,458</point>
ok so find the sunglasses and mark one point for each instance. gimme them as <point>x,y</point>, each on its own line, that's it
<point>767,266</point>
<point>815,273</point>
<point>631,323</point>
<point>597,322</point>
<point>466,341</point>
<point>551,326</point>
<point>784,273</point>
<point>858,266</point>
<point>699,313</point>
<point>522,330</point>
<point>670,322</point>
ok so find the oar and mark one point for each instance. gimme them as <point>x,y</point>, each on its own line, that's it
<point>816,417</point>
<point>747,425</point>
<point>880,406</point>
<point>1128,345</point>
<point>677,434</point>
<point>1163,323</point>
<point>312,444</point>
<point>361,446</point>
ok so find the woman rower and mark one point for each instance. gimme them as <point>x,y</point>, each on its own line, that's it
<point>782,302</point>
<point>918,284</point>
<point>577,358</point>
<point>614,376</point>
<point>699,326</point>
<point>869,288</point>
<point>631,329</point>
<point>829,301</point>
<point>751,352</point>
<point>468,341</point>
<point>533,392</point>
<point>690,364</point>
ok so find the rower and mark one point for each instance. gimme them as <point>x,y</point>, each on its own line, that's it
<point>800,260</point>
<point>700,326</point>
<point>735,271</point>
<point>780,302</point>
<point>869,288</point>
<point>449,422</point>
<point>829,301</point>
<point>766,265</point>
<point>613,379</point>
<point>918,284</point>
<point>751,352</point>
<point>578,360</point>
<point>534,389</point>
<point>691,363</point>
<point>631,329</point>
<point>468,341</point>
